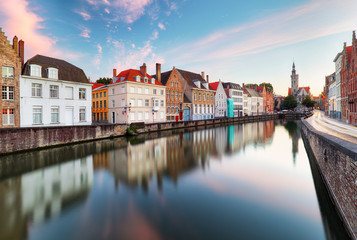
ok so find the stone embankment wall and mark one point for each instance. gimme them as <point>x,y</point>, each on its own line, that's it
<point>21,139</point>
<point>336,160</point>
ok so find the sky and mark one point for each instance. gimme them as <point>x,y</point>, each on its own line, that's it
<point>232,40</point>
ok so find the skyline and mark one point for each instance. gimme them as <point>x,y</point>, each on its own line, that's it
<point>251,42</point>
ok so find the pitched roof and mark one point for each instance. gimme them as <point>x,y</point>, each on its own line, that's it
<point>66,71</point>
<point>307,89</point>
<point>232,85</point>
<point>190,77</point>
<point>164,77</point>
<point>96,85</point>
<point>252,92</point>
<point>100,88</point>
<point>130,75</point>
<point>214,85</point>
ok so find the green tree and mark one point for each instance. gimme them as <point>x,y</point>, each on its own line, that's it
<point>307,102</point>
<point>268,86</point>
<point>251,85</point>
<point>289,102</point>
<point>104,80</point>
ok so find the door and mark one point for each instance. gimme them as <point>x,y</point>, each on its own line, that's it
<point>186,114</point>
<point>69,116</point>
<point>113,117</point>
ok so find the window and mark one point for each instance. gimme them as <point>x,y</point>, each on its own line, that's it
<point>7,72</point>
<point>93,95</point>
<point>101,104</point>
<point>140,103</point>
<point>54,114</point>
<point>113,103</point>
<point>176,85</point>
<point>105,116</point>
<point>195,96</point>
<point>140,116</point>
<point>172,84</point>
<point>154,91</point>
<point>147,103</point>
<point>93,104</point>
<point>132,102</point>
<point>132,116</point>
<point>35,70</point>
<point>162,92</point>
<point>105,103</point>
<point>168,110</point>
<point>122,89</point>
<point>101,116</point>
<point>52,73</point>
<point>37,115</point>
<point>176,95</point>
<point>139,90</point>
<point>97,105</point>
<point>168,95</point>
<point>162,103</point>
<point>7,93</point>
<point>155,102</point>
<point>82,114</point>
<point>36,90</point>
<point>132,89</point>
<point>146,115</point>
<point>123,102</point>
<point>199,96</point>
<point>105,94</point>
<point>8,117</point>
<point>82,93</point>
<point>53,91</point>
<point>97,95</point>
<point>204,97</point>
<point>162,114</point>
<point>113,91</point>
<point>68,92</point>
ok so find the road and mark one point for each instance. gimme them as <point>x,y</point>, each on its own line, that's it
<point>332,127</point>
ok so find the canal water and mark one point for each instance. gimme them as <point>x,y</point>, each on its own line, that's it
<point>247,181</point>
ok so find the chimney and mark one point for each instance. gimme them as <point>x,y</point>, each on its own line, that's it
<point>15,45</point>
<point>143,69</point>
<point>158,72</point>
<point>21,51</point>
<point>203,75</point>
<point>207,80</point>
<point>114,72</point>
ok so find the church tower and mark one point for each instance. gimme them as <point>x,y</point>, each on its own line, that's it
<point>294,81</point>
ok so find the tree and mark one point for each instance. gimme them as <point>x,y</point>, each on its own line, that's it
<point>289,102</point>
<point>251,85</point>
<point>268,86</point>
<point>104,80</point>
<point>307,102</point>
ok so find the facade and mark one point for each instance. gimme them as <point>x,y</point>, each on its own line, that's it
<point>54,92</point>
<point>332,97</point>
<point>352,83</point>
<point>235,91</point>
<point>11,60</point>
<point>197,92</point>
<point>263,93</point>
<point>220,100</point>
<point>345,75</point>
<point>247,102</point>
<point>256,102</point>
<point>100,104</point>
<point>269,102</point>
<point>338,66</point>
<point>174,93</point>
<point>135,96</point>
<point>298,92</point>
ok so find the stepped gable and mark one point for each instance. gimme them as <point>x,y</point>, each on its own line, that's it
<point>190,77</point>
<point>66,71</point>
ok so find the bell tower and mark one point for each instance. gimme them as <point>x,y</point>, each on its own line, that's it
<point>294,81</point>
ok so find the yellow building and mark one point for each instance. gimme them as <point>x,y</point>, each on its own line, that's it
<point>99,103</point>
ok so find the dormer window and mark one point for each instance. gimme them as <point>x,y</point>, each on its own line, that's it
<point>146,79</point>
<point>52,73</point>
<point>35,70</point>
<point>137,78</point>
<point>153,80</point>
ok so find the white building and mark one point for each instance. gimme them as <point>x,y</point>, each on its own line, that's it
<point>220,99</point>
<point>256,102</point>
<point>247,103</point>
<point>135,96</point>
<point>338,66</point>
<point>54,92</point>
<point>332,105</point>
<point>235,91</point>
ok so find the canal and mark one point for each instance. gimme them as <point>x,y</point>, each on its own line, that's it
<point>246,181</point>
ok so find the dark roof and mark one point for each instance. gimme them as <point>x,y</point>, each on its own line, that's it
<point>190,77</point>
<point>232,85</point>
<point>66,71</point>
<point>164,77</point>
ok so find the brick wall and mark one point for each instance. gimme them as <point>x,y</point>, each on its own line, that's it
<point>337,163</point>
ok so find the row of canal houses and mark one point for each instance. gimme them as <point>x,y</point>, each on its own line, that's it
<point>175,95</point>
<point>45,91</point>
<point>340,87</point>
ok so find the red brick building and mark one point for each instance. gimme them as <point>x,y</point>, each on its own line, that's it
<point>11,61</point>
<point>352,83</point>
<point>174,92</point>
<point>345,76</point>
<point>263,93</point>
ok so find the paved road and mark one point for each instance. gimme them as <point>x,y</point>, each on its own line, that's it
<point>332,127</point>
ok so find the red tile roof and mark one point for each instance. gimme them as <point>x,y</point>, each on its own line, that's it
<point>130,75</point>
<point>96,85</point>
<point>307,89</point>
<point>214,85</point>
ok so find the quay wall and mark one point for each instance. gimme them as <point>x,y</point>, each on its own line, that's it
<point>30,138</point>
<point>336,160</point>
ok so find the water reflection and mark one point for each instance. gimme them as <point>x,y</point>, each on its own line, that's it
<point>227,168</point>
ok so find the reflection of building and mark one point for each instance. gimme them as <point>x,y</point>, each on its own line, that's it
<point>41,194</point>
<point>100,103</point>
<point>294,134</point>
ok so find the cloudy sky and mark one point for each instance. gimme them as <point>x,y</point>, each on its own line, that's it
<point>233,40</point>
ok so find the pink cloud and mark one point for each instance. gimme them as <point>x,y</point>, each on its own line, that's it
<point>100,50</point>
<point>161,26</point>
<point>107,11</point>
<point>85,32</point>
<point>85,15</point>
<point>19,20</point>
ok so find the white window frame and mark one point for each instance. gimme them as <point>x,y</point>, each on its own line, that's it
<point>36,90</point>
<point>35,70</point>
<point>52,73</point>
<point>132,102</point>
<point>8,92</point>
<point>146,91</point>
<point>140,90</point>
<point>8,118</point>
<point>132,116</point>
<point>54,113</point>
<point>37,110</point>
<point>123,89</point>
<point>147,114</point>
<point>140,102</point>
<point>82,93</point>
<point>147,103</point>
<point>54,91</point>
<point>123,102</point>
<point>132,89</point>
<point>140,116</point>
<point>6,72</point>
<point>113,103</point>
<point>82,114</point>
<point>67,88</point>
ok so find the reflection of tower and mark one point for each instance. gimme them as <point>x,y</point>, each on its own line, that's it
<point>294,81</point>
<point>295,142</point>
